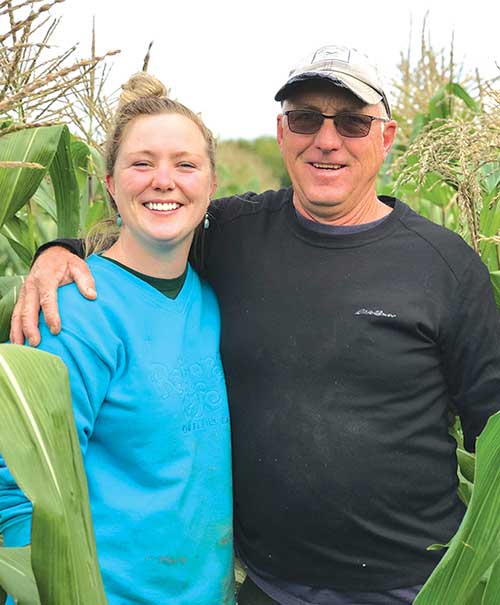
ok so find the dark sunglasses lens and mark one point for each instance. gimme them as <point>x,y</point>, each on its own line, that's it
<point>354,126</point>
<point>304,122</point>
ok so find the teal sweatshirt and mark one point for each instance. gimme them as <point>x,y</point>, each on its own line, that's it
<point>151,413</point>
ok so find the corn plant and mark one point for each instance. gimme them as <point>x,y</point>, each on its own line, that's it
<point>47,178</point>
<point>36,83</point>
<point>469,573</point>
<point>37,439</point>
<point>452,169</point>
<point>51,182</point>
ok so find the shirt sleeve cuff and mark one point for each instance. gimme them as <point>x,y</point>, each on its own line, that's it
<point>76,246</point>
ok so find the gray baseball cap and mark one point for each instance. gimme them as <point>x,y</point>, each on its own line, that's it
<point>343,66</point>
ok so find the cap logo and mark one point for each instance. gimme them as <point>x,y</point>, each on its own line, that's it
<point>336,53</point>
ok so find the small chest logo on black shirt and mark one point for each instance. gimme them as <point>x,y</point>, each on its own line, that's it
<point>376,312</point>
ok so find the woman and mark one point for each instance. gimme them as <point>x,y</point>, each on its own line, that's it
<point>146,380</point>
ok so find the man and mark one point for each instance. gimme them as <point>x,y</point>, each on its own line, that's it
<point>350,326</point>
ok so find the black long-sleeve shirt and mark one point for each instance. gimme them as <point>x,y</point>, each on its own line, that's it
<point>342,356</point>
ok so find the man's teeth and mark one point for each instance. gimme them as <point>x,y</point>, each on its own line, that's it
<point>327,166</point>
<point>162,206</point>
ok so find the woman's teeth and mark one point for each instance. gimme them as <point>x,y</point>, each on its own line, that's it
<point>162,206</point>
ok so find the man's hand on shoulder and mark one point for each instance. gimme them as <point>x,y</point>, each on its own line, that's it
<point>55,267</point>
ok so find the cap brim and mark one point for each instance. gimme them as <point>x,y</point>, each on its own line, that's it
<point>365,93</point>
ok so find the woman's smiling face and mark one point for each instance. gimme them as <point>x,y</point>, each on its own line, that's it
<point>162,180</point>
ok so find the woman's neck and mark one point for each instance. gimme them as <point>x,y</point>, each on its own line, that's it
<point>161,261</point>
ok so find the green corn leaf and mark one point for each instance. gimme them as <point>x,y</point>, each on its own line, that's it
<point>439,106</point>
<point>419,122</point>
<point>436,190</point>
<point>45,198</point>
<point>80,153</point>
<point>495,281</point>
<point>458,91</point>
<point>490,177</point>
<point>22,256</point>
<point>476,596</point>
<point>476,545</point>
<point>490,215</point>
<point>49,146</point>
<point>9,291</point>
<point>39,443</point>
<point>93,197</point>
<point>97,212</point>
<point>98,169</point>
<point>34,145</point>
<point>66,191</point>
<point>16,575</point>
<point>21,237</point>
<point>9,282</point>
<point>489,226</point>
<point>491,595</point>
<point>467,463</point>
<point>81,159</point>
<point>465,489</point>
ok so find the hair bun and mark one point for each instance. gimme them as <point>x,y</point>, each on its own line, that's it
<point>142,85</point>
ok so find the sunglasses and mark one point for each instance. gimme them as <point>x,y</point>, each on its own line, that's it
<point>309,121</point>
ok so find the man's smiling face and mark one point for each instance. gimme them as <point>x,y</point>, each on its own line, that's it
<point>332,174</point>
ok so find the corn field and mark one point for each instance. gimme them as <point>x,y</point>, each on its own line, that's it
<point>54,113</point>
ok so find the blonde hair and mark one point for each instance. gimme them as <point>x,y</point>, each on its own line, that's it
<point>142,95</point>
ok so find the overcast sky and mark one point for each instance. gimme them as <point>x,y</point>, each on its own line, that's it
<point>227,58</point>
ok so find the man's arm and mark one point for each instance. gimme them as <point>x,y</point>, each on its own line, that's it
<point>471,351</point>
<point>54,267</point>
<point>58,263</point>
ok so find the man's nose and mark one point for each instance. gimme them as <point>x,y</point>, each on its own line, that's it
<point>327,138</point>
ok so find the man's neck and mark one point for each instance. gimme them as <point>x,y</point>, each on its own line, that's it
<point>363,213</point>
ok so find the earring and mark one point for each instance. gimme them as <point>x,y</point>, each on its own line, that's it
<point>118,220</point>
<point>206,222</point>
